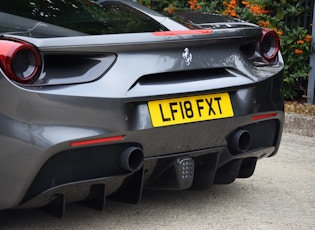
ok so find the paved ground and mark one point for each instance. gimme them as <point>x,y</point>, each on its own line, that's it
<point>300,124</point>
<point>280,195</point>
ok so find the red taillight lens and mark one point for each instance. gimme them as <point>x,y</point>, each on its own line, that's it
<point>20,61</point>
<point>269,44</point>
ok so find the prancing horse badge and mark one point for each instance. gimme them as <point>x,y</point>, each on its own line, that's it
<point>187,56</point>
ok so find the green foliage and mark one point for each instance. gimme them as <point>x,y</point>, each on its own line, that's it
<point>295,44</point>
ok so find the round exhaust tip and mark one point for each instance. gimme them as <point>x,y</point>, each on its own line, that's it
<point>241,141</point>
<point>131,159</point>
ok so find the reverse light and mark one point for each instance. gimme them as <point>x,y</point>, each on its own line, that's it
<point>20,61</point>
<point>269,44</point>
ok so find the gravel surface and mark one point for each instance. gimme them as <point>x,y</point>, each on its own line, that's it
<point>299,108</point>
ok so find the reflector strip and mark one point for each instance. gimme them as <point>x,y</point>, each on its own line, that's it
<point>181,32</point>
<point>96,141</point>
<point>264,116</point>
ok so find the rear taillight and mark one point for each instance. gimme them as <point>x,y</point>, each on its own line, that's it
<point>20,61</point>
<point>265,51</point>
<point>269,44</point>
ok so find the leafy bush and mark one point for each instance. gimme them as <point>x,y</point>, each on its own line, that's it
<point>295,43</point>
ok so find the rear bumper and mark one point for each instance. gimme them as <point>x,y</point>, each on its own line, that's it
<point>38,164</point>
<point>211,166</point>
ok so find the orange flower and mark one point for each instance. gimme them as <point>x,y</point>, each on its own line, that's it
<point>254,8</point>
<point>233,2</point>
<point>193,5</point>
<point>170,9</point>
<point>298,51</point>
<point>300,42</point>
<point>233,13</point>
<point>308,38</point>
<point>245,3</point>
<point>263,23</point>
<point>258,10</point>
<point>230,8</point>
<point>226,3</point>
<point>280,33</point>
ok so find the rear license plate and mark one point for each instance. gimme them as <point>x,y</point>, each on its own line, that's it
<point>190,109</point>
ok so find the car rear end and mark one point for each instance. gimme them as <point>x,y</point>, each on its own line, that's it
<point>105,116</point>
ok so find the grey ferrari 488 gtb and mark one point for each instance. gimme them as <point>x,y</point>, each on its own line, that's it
<point>102,99</point>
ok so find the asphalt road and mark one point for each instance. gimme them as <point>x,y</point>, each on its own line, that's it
<point>280,195</point>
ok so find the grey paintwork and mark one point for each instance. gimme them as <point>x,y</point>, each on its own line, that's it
<point>38,122</point>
